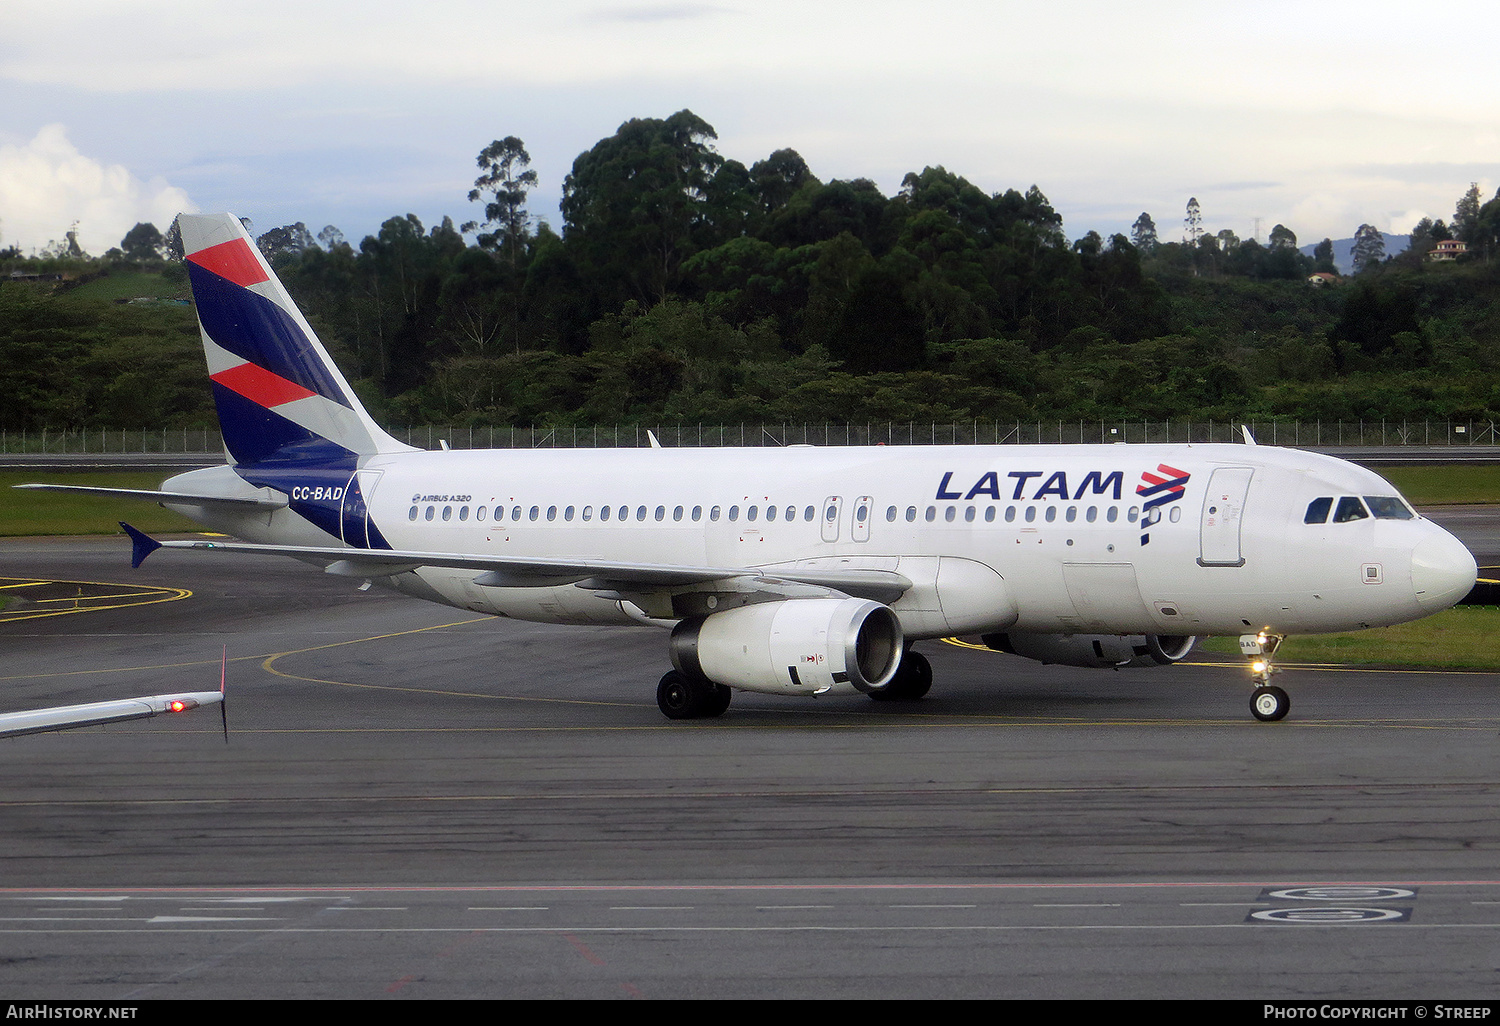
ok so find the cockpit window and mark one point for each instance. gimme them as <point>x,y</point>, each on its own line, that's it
<point>1388,507</point>
<point>1350,508</point>
<point>1317,510</point>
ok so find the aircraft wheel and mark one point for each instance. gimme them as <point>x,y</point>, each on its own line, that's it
<point>912,681</point>
<point>677,697</point>
<point>1269,703</point>
<point>718,700</point>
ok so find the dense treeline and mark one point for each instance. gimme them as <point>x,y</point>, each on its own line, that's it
<point>687,286</point>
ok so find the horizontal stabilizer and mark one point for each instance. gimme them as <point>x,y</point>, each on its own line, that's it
<point>167,498</point>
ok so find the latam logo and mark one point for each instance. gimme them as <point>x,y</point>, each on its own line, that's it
<point>1165,484</point>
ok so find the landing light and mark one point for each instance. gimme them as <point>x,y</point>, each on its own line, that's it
<point>1259,666</point>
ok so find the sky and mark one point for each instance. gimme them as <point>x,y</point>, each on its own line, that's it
<point>1320,116</point>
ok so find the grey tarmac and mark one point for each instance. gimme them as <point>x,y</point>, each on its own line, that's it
<point>415,802</point>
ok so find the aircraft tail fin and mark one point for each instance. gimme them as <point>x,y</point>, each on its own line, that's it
<point>279,395</point>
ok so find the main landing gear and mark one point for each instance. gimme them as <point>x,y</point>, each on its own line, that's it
<point>1267,702</point>
<point>912,681</point>
<point>681,697</point>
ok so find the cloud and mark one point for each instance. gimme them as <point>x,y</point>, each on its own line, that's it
<point>46,185</point>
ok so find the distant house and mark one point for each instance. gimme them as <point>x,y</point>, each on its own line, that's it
<point>1321,278</point>
<point>1448,249</point>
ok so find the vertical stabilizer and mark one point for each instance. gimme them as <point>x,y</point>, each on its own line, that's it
<point>280,397</point>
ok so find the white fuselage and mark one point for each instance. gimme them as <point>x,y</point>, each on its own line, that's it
<point>1040,539</point>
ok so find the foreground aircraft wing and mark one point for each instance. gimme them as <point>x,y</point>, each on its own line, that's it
<point>175,498</point>
<point>590,574</point>
<point>67,717</point>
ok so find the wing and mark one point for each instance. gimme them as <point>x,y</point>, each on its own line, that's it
<point>604,576</point>
<point>67,717</point>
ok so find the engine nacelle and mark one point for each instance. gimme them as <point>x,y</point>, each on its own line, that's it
<point>1096,650</point>
<point>793,647</point>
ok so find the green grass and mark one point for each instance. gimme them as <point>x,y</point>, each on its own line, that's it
<point>32,513</point>
<point>130,285</point>
<point>1446,484</point>
<point>1461,638</point>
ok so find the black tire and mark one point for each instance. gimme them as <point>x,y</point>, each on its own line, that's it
<point>677,698</point>
<point>1269,703</point>
<point>912,681</point>
<point>718,700</point>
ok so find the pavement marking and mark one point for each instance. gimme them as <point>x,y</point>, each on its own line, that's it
<point>123,596</point>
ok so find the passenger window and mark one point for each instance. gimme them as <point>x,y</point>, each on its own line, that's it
<point>1030,514</point>
<point>1388,507</point>
<point>603,512</point>
<point>809,514</point>
<point>890,515</point>
<point>588,513</point>
<point>568,513</point>
<point>1176,514</point>
<point>1010,514</point>
<point>661,513</point>
<point>791,513</point>
<point>1317,510</point>
<point>536,511</point>
<point>969,514</point>
<point>1350,508</point>
<point>479,514</point>
<point>515,514</point>
<point>677,513</point>
<point>640,512</point>
<point>931,514</point>
<point>949,514</point>
<point>770,512</point>
<point>623,514</point>
<point>697,513</point>
<point>551,513</point>
<point>431,512</point>
<point>713,514</point>
<point>413,514</point>
<point>1051,514</point>
<point>1072,514</point>
<point>734,513</point>
<point>1112,514</point>
<point>463,513</point>
<point>752,513</point>
<point>989,514</point>
<point>447,513</point>
<point>1092,515</point>
<point>1132,513</point>
<point>911,514</point>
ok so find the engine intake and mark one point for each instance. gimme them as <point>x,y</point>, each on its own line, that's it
<point>794,646</point>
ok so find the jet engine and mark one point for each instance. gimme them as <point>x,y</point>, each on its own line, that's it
<point>1096,650</point>
<point>793,646</point>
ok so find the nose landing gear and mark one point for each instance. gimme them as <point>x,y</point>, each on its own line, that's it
<point>1267,702</point>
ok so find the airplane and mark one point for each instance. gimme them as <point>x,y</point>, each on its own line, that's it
<point>800,570</point>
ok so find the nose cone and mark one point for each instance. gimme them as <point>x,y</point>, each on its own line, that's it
<point>1442,571</point>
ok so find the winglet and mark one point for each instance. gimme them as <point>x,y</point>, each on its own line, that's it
<point>651,437</point>
<point>141,545</point>
<point>1249,438</point>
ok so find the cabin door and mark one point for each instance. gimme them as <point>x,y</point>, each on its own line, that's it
<point>1223,516</point>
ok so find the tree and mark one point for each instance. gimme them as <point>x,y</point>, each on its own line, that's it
<point>1369,247</point>
<point>288,240</point>
<point>1143,233</point>
<point>1466,215</point>
<point>507,178</point>
<point>143,242</point>
<point>778,178</point>
<point>1193,222</point>
<point>330,238</point>
<point>631,204</point>
<point>1283,237</point>
<point>1323,257</point>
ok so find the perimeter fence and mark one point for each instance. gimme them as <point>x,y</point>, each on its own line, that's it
<point>1311,434</point>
